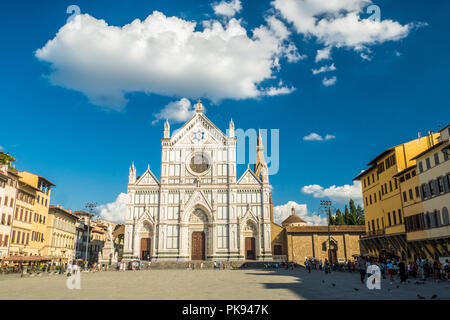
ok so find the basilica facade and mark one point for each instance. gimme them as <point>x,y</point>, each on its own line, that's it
<point>199,209</point>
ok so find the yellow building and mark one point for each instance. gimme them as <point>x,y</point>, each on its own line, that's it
<point>21,225</point>
<point>60,244</point>
<point>430,229</point>
<point>413,212</point>
<point>8,191</point>
<point>41,206</point>
<point>382,198</point>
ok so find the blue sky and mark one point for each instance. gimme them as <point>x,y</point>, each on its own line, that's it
<point>85,148</point>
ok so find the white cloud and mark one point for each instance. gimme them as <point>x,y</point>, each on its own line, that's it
<point>325,68</point>
<point>341,194</point>
<point>281,212</point>
<point>337,22</point>
<point>177,111</point>
<point>313,137</point>
<point>228,9</point>
<point>114,211</point>
<point>323,54</point>
<point>329,82</point>
<point>166,56</point>
<point>317,137</point>
<point>1,148</point>
<point>276,91</point>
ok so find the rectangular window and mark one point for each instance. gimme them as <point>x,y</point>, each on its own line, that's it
<point>375,197</point>
<point>404,196</point>
<point>431,187</point>
<point>445,152</point>
<point>411,194</point>
<point>222,212</point>
<point>420,167</point>
<point>370,199</point>
<point>436,159</point>
<point>389,219</point>
<point>399,216</point>
<point>222,236</point>
<point>417,192</point>
<point>172,237</point>
<point>4,218</point>
<point>390,185</point>
<point>6,201</point>
<point>395,217</point>
<point>441,184</point>
<point>427,161</point>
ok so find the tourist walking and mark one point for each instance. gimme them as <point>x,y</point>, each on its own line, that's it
<point>436,271</point>
<point>326,266</point>
<point>402,272</point>
<point>220,265</point>
<point>390,270</point>
<point>215,265</point>
<point>447,269</point>
<point>362,269</point>
<point>320,265</point>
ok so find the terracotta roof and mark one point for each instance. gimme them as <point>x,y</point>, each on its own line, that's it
<point>293,218</point>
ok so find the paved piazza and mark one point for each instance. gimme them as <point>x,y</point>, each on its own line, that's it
<point>214,284</point>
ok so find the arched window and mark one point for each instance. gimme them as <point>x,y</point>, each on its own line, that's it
<point>445,218</point>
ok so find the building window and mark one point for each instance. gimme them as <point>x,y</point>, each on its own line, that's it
<point>445,218</point>
<point>370,199</point>
<point>395,217</point>
<point>441,184</point>
<point>222,236</point>
<point>410,194</point>
<point>427,161</point>
<point>390,185</point>
<point>431,187</point>
<point>417,192</point>
<point>436,159</point>
<point>420,167</point>
<point>389,219</point>
<point>172,237</point>
<point>399,216</point>
<point>404,196</point>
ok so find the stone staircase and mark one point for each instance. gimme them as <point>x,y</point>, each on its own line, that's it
<point>196,265</point>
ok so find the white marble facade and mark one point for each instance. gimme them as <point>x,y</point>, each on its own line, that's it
<point>200,209</point>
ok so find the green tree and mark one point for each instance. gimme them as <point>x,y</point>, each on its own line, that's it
<point>340,219</point>
<point>360,213</point>
<point>346,215</point>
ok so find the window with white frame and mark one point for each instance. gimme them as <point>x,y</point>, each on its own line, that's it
<point>173,213</point>
<point>174,170</point>
<point>172,237</point>
<point>222,236</point>
<point>222,170</point>
<point>174,198</point>
<point>222,212</point>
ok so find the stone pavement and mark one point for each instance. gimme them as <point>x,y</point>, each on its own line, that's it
<point>215,285</point>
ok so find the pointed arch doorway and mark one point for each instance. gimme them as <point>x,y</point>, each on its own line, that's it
<point>198,229</point>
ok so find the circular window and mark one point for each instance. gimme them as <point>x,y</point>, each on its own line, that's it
<point>199,163</point>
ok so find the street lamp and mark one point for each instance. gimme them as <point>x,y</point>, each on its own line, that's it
<point>91,207</point>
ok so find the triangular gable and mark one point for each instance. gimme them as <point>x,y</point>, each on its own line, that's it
<point>249,178</point>
<point>146,216</point>
<point>198,119</point>
<point>198,198</point>
<point>249,215</point>
<point>147,179</point>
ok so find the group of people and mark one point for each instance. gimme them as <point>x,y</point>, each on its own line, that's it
<point>320,265</point>
<point>421,268</point>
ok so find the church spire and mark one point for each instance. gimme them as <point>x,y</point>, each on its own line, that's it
<point>231,129</point>
<point>260,165</point>
<point>166,129</point>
